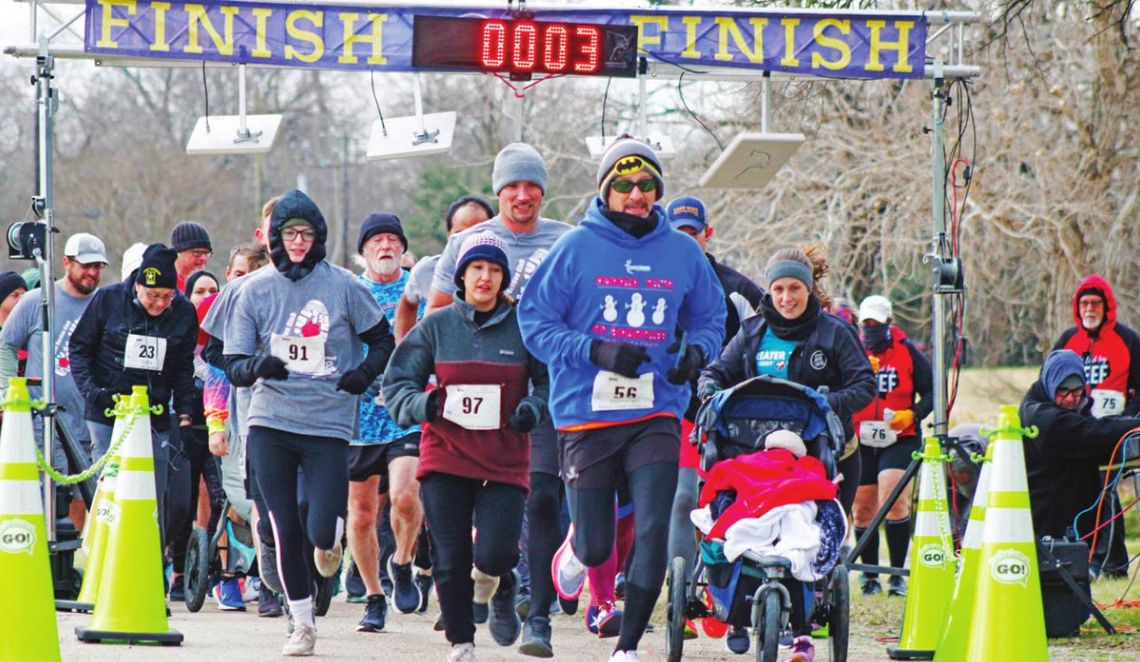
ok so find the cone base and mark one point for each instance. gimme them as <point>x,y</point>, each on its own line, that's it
<point>72,605</point>
<point>909,654</point>
<point>169,638</point>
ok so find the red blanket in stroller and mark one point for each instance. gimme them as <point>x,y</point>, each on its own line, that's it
<point>762,481</point>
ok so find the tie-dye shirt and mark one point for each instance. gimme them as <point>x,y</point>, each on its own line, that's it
<point>376,425</point>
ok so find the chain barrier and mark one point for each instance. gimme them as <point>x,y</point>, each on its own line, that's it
<point>945,537</point>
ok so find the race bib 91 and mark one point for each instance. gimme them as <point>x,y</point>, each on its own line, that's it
<point>303,355</point>
<point>144,353</point>
<point>473,406</point>
<point>1106,402</point>
<point>612,392</point>
<point>876,434</point>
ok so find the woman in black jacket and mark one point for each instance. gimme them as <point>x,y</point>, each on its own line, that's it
<point>794,339</point>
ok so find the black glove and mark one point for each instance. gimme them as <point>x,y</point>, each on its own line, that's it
<point>688,366</point>
<point>268,366</point>
<point>354,381</point>
<point>103,398</point>
<point>523,419</point>
<point>708,390</point>
<point>434,403</point>
<point>618,357</point>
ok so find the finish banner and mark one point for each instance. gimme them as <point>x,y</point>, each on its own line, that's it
<point>382,38</point>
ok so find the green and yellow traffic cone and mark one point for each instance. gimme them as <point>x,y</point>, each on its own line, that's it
<point>958,622</point>
<point>27,602</point>
<point>131,602</point>
<point>102,520</point>
<point>932,562</point>
<point>1007,619</point>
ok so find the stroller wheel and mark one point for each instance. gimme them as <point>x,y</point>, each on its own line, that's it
<point>678,597</point>
<point>197,570</point>
<point>767,623</point>
<point>839,614</point>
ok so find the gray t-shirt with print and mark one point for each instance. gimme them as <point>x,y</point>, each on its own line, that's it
<point>24,330</point>
<point>316,322</point>
<point>525,251</point>
<point>215,325</point>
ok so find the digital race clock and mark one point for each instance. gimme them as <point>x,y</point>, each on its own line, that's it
<point>522,47</point>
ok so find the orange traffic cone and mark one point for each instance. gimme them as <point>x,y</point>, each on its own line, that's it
<point>131,602</point>
<point>27,603</point>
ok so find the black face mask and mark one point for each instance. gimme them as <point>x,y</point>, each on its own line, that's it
<point>876,338</point>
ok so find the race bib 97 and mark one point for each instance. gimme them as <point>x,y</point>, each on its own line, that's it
<point>876,434</point>
<point>144,353</point>
<point>473,406</point>
<point>612,392</point>
<point>1106,402</point>
<point>303,355</point>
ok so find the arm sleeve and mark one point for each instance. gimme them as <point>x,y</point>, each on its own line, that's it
<point>212,353</point>
<point>728,368</point>
<point>703,311</point>
<point>180,362</point>
<point>216,399</point>
<point>857,380</point>
<point>380,342</point>
<point>84,346</point>
<point>923,382</point>
<point>542,313</point>
<point>405,378</point>
<point>1071,435</point>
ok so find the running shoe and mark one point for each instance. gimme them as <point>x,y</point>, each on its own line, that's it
<point>425,583</point>
<point>568,572</point>
<point>268,604</point>
<point>354,588</point>
<point>267,564</point>
<point>738,642</point>
<point>536,638</point>
<point>228,594</point>
<point>440,625</point>
<point>462,653</point>
<point>504,623</point>
<point>480,612</point>
<point>301,642</point>
<point>803,650</point>
<point>328,560</point>
<point>406,594</point>
<point>896,586</point>
<point>375,611</point>
<point>604,619</point>
<point>568,607</point>
<point>870,585</point>
<point>178,589</point>
<point>522,606</point>
<point>624,656</point>
<point>619,586</point>
<point>250,589</point>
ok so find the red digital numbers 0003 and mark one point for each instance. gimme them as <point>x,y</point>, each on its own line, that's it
<point>530,47</point>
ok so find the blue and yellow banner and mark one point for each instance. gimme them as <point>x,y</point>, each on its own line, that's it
<point>324,36</point>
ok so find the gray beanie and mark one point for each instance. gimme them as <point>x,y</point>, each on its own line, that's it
<point>518,162</point>
<point>789,269</point>
<point>627,155</point>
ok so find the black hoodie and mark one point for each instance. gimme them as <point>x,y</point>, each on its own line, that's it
<point>296,205</point>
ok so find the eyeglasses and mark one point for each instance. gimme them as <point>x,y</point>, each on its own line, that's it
<point>626,186</point>
<point>1093,303</point>
<point>1067,393</point>
<point>291,234</point>
<point>201,253</point>
<point>153,297</point>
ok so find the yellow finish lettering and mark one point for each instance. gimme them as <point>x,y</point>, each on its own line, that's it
<point>351,37</point>
<point>839,45</point>
<point>160,44</point>
<point>262,15</point>
<point>728,27</point>
<point>110,22</point>
<point>294,32</point>
<point>789,59</point>
<point>644,38</point>
<point>691,24</point>
<point>901,47</point>
<point>197,17</point>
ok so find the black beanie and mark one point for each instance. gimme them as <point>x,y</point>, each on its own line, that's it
<point>192,279</point>
<point>10,281</point>
<point>188,235</point>
<point>157,267</point>
<point>378,222</point>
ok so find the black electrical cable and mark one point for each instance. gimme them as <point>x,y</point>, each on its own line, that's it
<point>207,90</point>
<point>605,99</point>
<point>681,93</point>
<point>372,83</point>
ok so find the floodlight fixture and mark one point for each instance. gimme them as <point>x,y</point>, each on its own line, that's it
<point>662,146</point>
<point>234,134</point>
<point>413,135</point>
<point>751,160</point>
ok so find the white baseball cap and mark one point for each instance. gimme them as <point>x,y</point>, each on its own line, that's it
<point>876,308</point>
<point>85,248</point>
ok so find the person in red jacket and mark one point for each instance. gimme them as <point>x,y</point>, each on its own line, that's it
<point>888,431</point>
<point>1111,355</point>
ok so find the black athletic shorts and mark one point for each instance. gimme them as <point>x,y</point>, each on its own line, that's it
<point>895,456</point>
<point>602,457</point>
<point>372,460</point>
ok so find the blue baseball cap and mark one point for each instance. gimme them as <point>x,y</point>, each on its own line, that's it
<point>686,211</point>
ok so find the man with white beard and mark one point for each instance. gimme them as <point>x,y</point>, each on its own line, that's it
<point>383,448</point>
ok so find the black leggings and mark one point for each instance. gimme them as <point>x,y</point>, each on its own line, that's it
<point>190,460</point>
<point>277,455</point>
<point>651,488</point>
<point>544,534</point>
<point>452,505</point>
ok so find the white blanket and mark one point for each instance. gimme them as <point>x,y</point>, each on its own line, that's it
<point>787,531</point>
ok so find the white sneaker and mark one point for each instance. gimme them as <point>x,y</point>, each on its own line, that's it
<point>301,642</point>
<point>568,573</point>
<point>462,653</point>
<point>624,656</point>
<point>327,560</point>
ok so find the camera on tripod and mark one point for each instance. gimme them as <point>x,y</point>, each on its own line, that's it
<point>25,239</point>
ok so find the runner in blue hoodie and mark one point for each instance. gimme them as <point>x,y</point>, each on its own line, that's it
<point>602,311</point>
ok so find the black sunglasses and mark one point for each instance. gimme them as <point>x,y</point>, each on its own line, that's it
<point>626,186</point>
